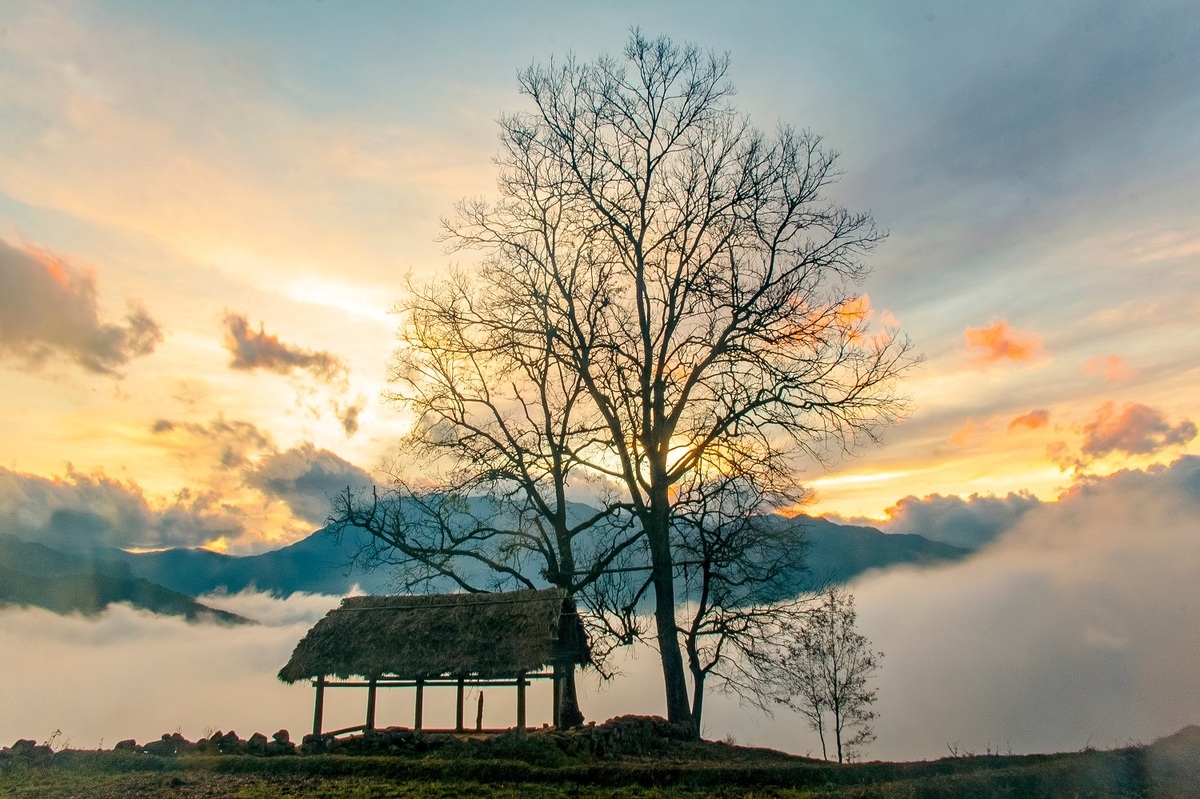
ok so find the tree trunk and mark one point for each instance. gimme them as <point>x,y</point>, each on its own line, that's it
<point>838,732</point>
<point>658,536</point>
<point>569,714</point>
<point>697,700</point>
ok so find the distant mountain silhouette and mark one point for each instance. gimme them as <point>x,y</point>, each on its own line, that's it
<point>316,564</point>
<point>319,563</point>
<point>839,552</point>
<point>34,574</point>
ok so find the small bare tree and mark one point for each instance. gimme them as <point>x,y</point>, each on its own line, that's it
<point>823,671</point>
<point>739,572</point>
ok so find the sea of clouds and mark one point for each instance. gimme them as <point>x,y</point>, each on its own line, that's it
<point>1076,627</point>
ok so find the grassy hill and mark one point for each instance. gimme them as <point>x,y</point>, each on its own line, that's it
<point>550,765</point>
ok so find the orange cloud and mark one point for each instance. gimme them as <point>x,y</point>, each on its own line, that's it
<point>855,310</point>
<point>999,342</point>
<point>1030,421</point>
<point>963,434</point>
<point>1112,367</point>
<point>1136,430</point>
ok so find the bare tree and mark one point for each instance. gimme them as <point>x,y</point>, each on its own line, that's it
<point>505,423</point>
<point>739,584</point>
<point>824,669</point>
<point>664,292</point>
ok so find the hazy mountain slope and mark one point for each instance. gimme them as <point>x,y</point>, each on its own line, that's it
<point>315,564</point>
<point>838,553</point>
<point>33,574</point>
<point>319,563</point>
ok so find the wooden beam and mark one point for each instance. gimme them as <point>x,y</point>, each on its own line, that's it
<point>397,682</point>
<point>419,710</point>
<point>319,709</point>
<point>479,714</point>
<point>371,687</point>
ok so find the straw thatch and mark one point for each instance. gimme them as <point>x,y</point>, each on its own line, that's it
<point>483,635</point>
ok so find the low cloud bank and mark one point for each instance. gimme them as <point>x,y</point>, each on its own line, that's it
<point>1076,627</point>
<point>306,478</point>
<point>131,674</point>
<point>237,470</point>
<point>80,512</point>
<point>970,523</point>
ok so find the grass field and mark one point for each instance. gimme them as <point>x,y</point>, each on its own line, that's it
<point>1168,769</point>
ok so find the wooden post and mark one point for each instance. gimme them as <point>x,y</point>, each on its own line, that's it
<point>521,702</point>
<point>458,715</point>
<point>479,714</point>
<point>557,713</point>
<point>419,711</point>
<point>319,709</point>
<point>371,687</point>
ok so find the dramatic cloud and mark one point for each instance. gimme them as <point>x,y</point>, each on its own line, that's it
<point>306,478</point>
<point>1111,367</point>
<point>999,342</point>
<point>47,307</point>
<point>1030,421</point>
<point>1136,430</point>
<point>348,415</point>
<point>261,350</point>
<point>229,443</point>
<point>80,512</point>
<point>289,490</point>
<point>970,523</point>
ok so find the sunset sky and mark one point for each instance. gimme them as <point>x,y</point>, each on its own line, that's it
<point>207,211</point>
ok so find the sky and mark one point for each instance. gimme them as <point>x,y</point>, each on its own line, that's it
<point>208,210</point>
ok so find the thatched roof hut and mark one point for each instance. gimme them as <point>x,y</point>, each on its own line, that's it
<point>491,635</point>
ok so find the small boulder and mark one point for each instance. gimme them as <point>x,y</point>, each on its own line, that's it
<point>256,744</point>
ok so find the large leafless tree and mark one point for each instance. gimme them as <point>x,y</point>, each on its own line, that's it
<point>664,294</point>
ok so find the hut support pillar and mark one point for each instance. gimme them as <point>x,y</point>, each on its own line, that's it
<point>419,710</point>
<point>521,728</point>
<point>479,713</point>
<point>557,712</point>
<point>371,688</point>
<point>458,715</point>
<point>319,707</point>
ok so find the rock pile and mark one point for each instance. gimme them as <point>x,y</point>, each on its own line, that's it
<point>224,743</point>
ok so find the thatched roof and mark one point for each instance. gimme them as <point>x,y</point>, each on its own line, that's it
<point>488,635</point>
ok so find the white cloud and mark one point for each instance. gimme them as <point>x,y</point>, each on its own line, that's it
<point>1077,627</point>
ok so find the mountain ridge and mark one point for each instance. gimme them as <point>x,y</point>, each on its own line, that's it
<point>321,563</point>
